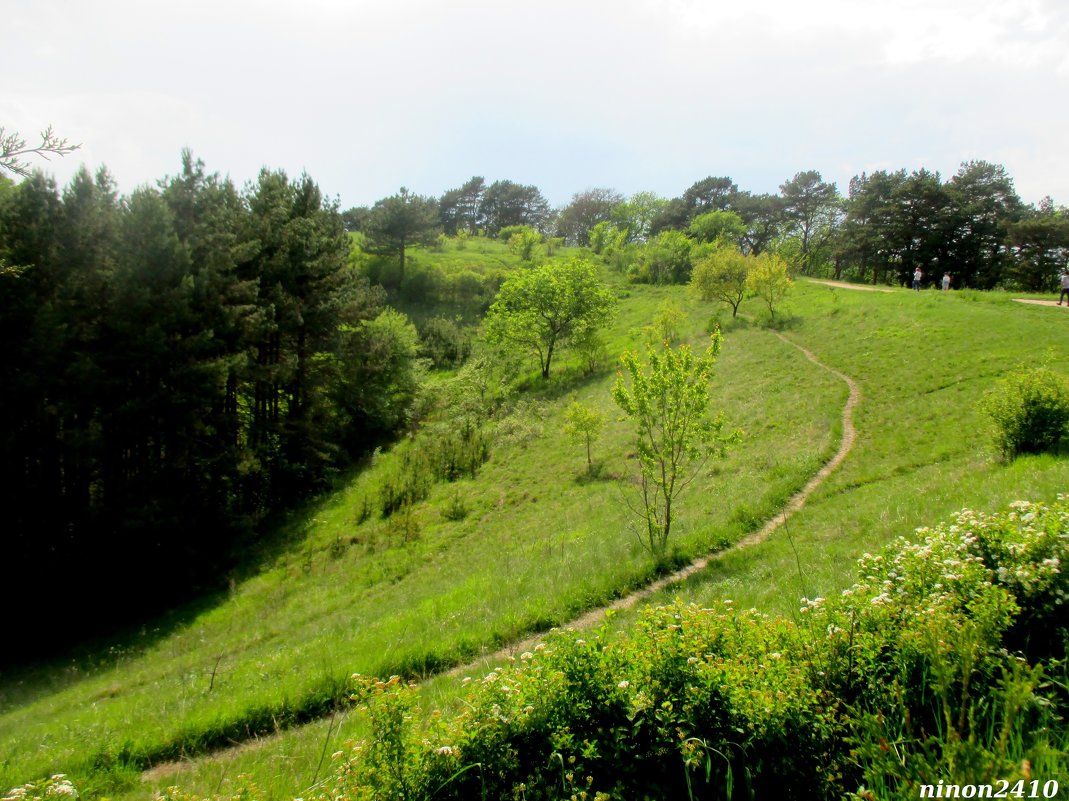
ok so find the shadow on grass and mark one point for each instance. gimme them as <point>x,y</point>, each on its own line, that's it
<point>596,473</point>
<point>562,382</point>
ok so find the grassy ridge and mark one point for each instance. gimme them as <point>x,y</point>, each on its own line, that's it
<point>539,544</point>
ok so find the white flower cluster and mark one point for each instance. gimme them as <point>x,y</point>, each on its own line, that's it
<point>57,786</point>
<point>1022,550</point>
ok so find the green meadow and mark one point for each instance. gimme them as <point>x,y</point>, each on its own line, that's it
<point>535,539</point>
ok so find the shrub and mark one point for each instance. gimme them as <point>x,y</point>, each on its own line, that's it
<point>1030,412</point>
<point>456,509</point>
<point>445,342</point>
<point>904,680</point>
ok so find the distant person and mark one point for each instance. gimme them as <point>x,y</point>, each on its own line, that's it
<point>917,276</point>
<point>1065,287</point>
<point>946,281</point>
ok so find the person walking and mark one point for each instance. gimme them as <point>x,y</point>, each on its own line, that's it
<point>946,281</point>
<point>917,276</point>
<point>1065,287</point>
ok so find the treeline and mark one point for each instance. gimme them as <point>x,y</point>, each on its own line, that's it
<point>177,364</point>
<point>973,225</point>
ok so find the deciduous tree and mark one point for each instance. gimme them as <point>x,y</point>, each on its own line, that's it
<point>545,308</point>
<point>583,425</point>
<point>770,280</point>
<point>722,277</point>
<point>667,399</point>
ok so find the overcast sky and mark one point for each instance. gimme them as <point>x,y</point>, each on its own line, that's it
<point>629,94</point>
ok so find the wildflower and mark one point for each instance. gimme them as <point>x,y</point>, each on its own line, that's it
<point>623,685</point>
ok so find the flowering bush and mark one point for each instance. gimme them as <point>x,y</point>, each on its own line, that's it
<point>55,787</point>
<point>904,679</point>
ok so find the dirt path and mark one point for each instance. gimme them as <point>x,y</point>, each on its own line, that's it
<point>1039,302</point>
<point>796,502</point>
<point>847,285</point>
<point>595,616</point>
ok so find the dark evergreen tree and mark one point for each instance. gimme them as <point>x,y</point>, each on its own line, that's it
<point>399,221</point>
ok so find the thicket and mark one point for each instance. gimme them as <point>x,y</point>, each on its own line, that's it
<point>944,661</point>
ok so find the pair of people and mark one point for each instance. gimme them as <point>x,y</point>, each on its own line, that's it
<point>918,274</point>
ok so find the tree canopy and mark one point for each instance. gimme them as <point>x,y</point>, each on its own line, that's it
<point>546,308</point>
<point>400,221</point>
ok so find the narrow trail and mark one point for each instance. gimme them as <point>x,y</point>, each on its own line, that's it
<point>797,501</point>
<point>595,616</point>
<point>847,285</point>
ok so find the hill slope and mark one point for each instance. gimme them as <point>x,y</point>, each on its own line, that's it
<point>540,543</point>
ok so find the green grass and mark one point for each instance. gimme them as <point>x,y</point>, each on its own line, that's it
<point>922,361</point>
<point>541,542</point>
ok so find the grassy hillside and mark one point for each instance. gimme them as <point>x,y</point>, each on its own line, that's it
<point>540,541</point>
<point>922,360</point>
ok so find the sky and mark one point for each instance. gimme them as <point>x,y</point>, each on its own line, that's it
<point>633,95</point>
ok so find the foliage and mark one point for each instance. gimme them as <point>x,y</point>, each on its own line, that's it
<point>718,225</point>
<point>522,240</point>
<point>665,259</point>
<point>548,307</point>
<point>583,425</point>
<point>1029,411</point>
<point>446,342</point>
<point>723,276</point>
<point>506,203</point>
<point>585,211</point>
<point>668,401</point>
<point>190,348</point>
<point>636,215</point>
<point>812,209</point>
<point>1040,247</point>
<point>460,210</point>
<point>904,680</point>
<point>932,620</point>
<point>377,372</point>
<point>606,239</point>
<point>668,322</point>
<point>399,222</point>
<point>770,280</point>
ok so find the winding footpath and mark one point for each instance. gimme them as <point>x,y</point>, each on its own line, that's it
<point>797,501</point>
<point>595,616</point>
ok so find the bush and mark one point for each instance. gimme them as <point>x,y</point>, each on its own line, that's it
<point>905,680</point>
<point>1030,412</point>
<point>445,342</point>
